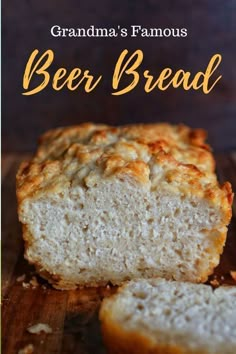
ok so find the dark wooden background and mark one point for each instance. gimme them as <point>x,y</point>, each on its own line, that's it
<point>211,28</point>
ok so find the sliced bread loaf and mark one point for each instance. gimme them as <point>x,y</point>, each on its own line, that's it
<point>101,204</point>
<point>168,317</point>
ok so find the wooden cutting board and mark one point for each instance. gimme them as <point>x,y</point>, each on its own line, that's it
<point>72,315</point>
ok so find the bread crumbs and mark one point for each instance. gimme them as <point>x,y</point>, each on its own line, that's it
<point>39,328</point>
<point>28,349</point>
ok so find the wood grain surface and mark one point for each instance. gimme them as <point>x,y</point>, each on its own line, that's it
<point>72,315</point>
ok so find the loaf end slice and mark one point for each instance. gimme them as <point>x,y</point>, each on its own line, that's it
<point>158,316</point>
<point>103,204</point>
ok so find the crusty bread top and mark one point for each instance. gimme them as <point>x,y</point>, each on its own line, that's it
<point>155,155</point>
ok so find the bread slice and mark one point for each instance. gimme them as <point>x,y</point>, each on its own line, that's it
<point>159,316</point>
<point>105,204</point>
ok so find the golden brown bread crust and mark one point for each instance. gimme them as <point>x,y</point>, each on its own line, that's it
<point>174,158</point>
<point>144,319</point>
<point>89,152</point>
<point>119,341</point>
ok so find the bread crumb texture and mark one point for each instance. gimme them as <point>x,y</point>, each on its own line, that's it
<point>100,203</point>
<point>21,278</point>
<point>158,316</point>
<point>39,328</point>
<point>28,349</point>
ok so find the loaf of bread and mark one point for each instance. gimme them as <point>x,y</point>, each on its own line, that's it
<point>103,204</point>
<point>156,316</point>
